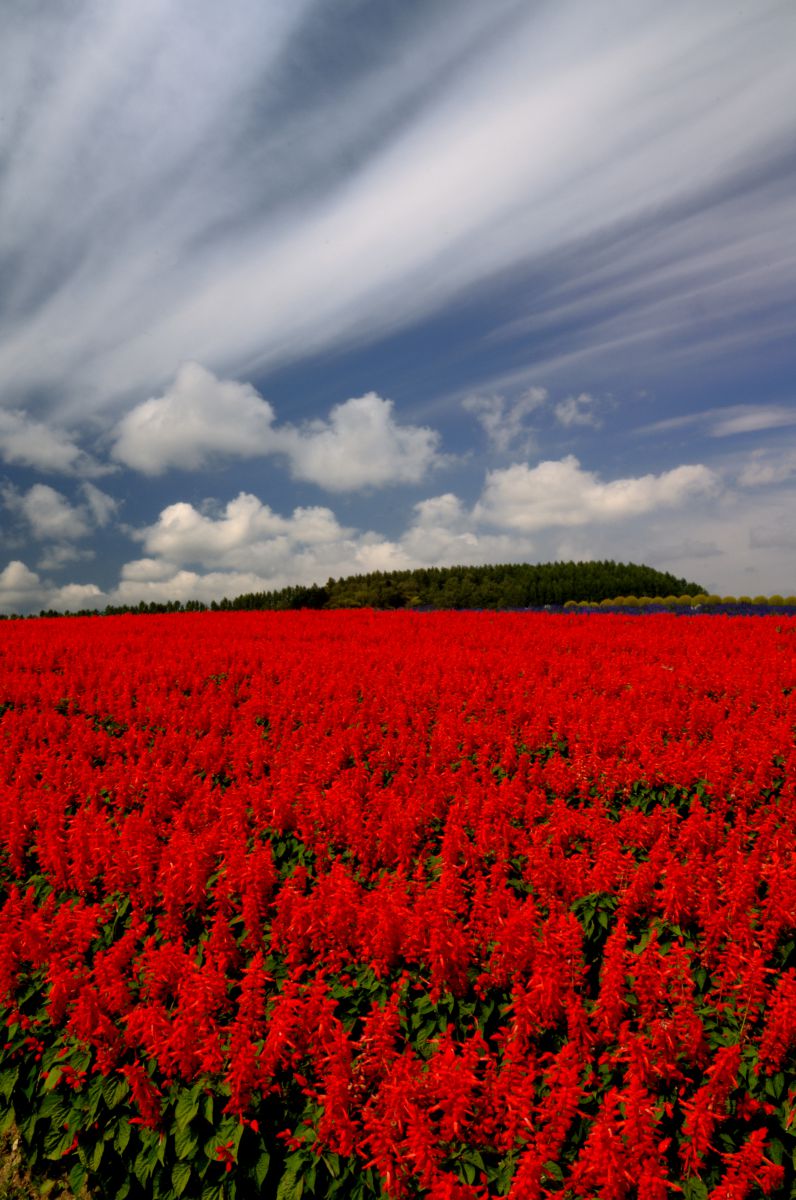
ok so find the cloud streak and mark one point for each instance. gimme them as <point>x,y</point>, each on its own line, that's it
<point>173,192</point>
<point>728,421</point>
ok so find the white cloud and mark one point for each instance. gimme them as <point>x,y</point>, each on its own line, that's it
<point>24,591</point>
<point>99,504</point>
<point>753,419</point>
<point>74,596</point>
<point>245,536</point>
<point>504,421</point>
<point>20,588</point>
<point>764,469</point>
<point>55,558</point>
<point>184,585</point>
<point>48,513</point>
<point>558,493</point>
<point>730,420</point>
<point>246,546</point>
<point>361,445</point>
<point>577,410</point>
<point>26,442</point>
<point>200,419</point>
<point>50,517</point>
<point>443,531</point>
<point>147,570</point>
<point>733,540</point>
<point>211,203</point>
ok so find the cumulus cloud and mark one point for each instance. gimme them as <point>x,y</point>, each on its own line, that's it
<point>26,442</point>
<point>244,535</point>
<point>24,591</point>
<point>74,596</point>
<point>246,545</point>
<point>361,445</point>
<point>196,420</point>
<point>524,513</point>
<point>562,493</point>
<point>48,513</point>
<point>48,516</point>
<point>201,419</point>
<point>20,588</point>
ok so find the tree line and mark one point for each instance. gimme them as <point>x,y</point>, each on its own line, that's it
<point>500,586</point>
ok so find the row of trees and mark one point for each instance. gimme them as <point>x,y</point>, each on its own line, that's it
<point>507,585</point>
<point>699,600</point>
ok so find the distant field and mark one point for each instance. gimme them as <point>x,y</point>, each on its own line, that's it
<point>360,904</point>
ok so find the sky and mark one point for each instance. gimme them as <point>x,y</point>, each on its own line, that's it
<point>292,289</point>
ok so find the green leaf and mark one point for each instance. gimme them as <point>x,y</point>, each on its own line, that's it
<point>52,1080</point>
<point>77,1177</point>
<point>94,1098</point>
<point>332,1164</point>
<point>54,1109</point>
<point>143,1166</point>
<point>8,1081</point>
<point>261,1168</point>
<point>187,1108</point>
<point>122,1136</point>
<point>185,1144</point>
<point>57,1142</point>
<point>230,1130</point>
<point>291,1185</point>
<point>80,1060</point>
<point>96,1155</point>
<point>694,1189</point>
<point>114,1090</point>
<point>180,1177</point>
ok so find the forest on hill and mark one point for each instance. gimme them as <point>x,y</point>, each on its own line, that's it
<point>508,585</point>
<point>505,585</point>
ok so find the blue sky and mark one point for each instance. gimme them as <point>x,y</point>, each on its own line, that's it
<point>299,289</point>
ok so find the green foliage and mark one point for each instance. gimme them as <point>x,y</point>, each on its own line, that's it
<point>507,585</point>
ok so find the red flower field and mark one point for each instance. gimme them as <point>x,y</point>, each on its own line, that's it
<point>352,904</point>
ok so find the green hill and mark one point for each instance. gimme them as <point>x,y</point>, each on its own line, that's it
<point>509,585</point>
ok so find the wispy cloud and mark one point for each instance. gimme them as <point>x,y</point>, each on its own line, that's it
<point>728,421</point>
<point>507,423</point>
<point>181,190</point>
